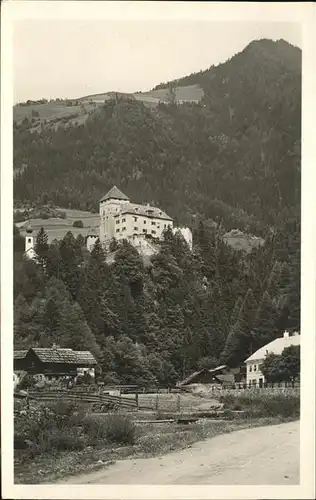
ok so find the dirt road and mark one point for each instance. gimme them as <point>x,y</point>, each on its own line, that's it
<point>262,455</point>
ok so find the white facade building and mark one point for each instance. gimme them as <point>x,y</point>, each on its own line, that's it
<point>121,219</point>
<point>29,243</point>
<point>253,363</point>
<point>140,225</point>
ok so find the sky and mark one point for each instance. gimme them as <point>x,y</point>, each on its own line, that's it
<point>70,59</point>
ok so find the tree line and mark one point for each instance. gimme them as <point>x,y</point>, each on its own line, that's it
<point>155,321</point>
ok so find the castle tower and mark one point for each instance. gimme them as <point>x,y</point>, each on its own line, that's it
<point>29,242</point>
<point>92,237</point>
<point>111,204</point>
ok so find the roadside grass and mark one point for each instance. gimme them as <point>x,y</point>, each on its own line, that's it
<point>285,404</point>
<point>81,441</point>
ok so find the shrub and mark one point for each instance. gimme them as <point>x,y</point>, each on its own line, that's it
<point>63,426</point>
<point>264,404</point>
<point>95,430</point>
<point>120,429</point>
<point>27,382</point>
<point>77,223</point>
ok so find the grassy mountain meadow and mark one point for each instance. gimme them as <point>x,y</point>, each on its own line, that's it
<point>219,145</point>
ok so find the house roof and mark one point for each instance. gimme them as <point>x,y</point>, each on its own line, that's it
<point>214,372</point>
<point>63,355</point>
<point>20,354</point>
<point>116,194</point>
<point>191,377</point>
<point>144,210</point>
<point>275,347</point>
<point>218,369</point>
<point>85,357</point>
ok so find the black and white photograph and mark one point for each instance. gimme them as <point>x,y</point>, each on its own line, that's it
<point>156,227</point>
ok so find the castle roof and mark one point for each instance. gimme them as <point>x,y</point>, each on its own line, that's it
<point>116,194</point>
<point>144,210</point>
<point>29,228</point>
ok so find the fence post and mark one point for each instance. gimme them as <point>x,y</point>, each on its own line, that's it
<point>178,403</point>
<point>157,402</point>
<point>136,399</point>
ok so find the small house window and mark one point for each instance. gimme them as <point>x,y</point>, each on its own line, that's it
<point>123,220</point>
<point>165,225</point>
<point>144,230</point>
<point>145,222</point>
<point>153,223</point>
<point>254,368</point>
<point>117,222</point>
<point>135,228</point>
<point>118,230</point>
<point>250,368</point>
<point>135,219</point>
<point>29,240</point>
<point>124,229</point>
<point>153,232</point>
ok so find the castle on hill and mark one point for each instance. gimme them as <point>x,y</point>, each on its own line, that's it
<point>120,219</point>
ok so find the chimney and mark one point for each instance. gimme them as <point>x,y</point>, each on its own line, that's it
<point>286,334</point>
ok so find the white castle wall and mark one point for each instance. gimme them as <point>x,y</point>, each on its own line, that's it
<point>186,233</point>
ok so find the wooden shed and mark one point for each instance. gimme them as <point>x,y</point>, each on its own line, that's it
<point>57,361</point>
<point>221,375</point>
<point>19,362</point>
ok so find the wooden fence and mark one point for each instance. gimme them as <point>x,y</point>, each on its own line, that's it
<point>83,398</point>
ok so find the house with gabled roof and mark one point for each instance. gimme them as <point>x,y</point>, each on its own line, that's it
<point>254,362</point>
<point>58,362</point>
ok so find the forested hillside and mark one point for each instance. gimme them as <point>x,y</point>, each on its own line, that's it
<point>236,155</point>
<point>233,158</point>
<point>156,323</point>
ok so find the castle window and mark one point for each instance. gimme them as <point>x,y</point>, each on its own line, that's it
<point>144,230</point>
<point>117,222</point>
<point>118,230</point>
<point>123,228</point>
<point>135,228</point>
<point>145,222</point>
<point>153,232</point>
<point>153,223</point>
<point>165,225</point>
<point>123,220</point>
<point>135,219</point>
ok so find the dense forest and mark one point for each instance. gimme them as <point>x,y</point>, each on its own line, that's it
<point>233,158</point>
<point>155,323</point>
<point>235,155</point>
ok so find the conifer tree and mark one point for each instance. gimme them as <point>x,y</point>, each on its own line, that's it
<point>41,248</point>
<point>265,324</point>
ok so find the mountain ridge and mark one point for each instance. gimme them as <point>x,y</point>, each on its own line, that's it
<point>235,155</point>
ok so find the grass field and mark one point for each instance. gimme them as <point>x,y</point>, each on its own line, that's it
<point>188,93</point>
<point>173,402</point>
<point>53,114</point>
<point>58,228</point>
